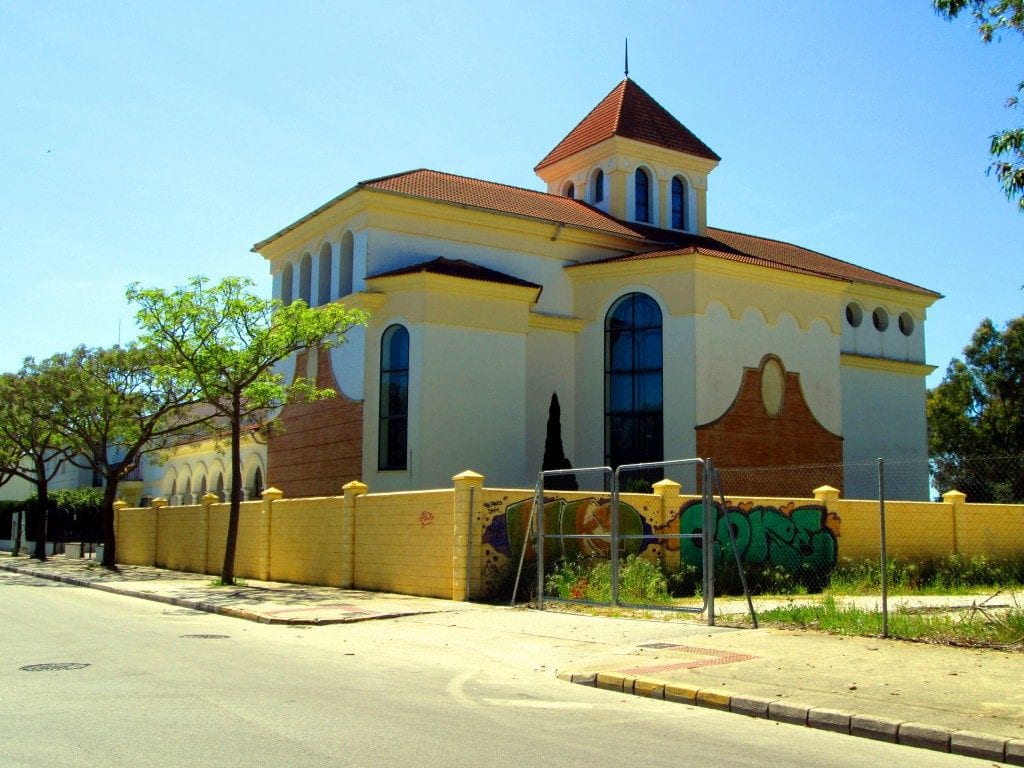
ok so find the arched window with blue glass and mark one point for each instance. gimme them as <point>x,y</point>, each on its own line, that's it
<point>393,434</point>
<point>633,381</point>
<point>597,185</point>
<point>678,203</point>
<point>642,195</point>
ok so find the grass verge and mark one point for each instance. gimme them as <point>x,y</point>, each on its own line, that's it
<point>975,627</point>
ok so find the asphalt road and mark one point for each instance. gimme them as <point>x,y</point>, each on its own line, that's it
<point>166,686</point>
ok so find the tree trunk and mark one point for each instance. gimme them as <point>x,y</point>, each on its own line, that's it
<point>43,500</point>
<point>227,572</point>
<point>107,518</point>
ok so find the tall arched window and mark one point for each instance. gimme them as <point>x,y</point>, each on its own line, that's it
<point>305,277</point>
<point>287,279</point>
<point>642,195</point>
<point>633,381</point>
<point>598,186</point>
<point>323,286</point>
<point>347,264</point>
<point>393,434</point>
<point>569,190</point>
<point>678,203</point>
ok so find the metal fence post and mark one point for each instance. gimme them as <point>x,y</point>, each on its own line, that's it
<point>885,569</point>
<point>614,539</point>
<point>708,543</point>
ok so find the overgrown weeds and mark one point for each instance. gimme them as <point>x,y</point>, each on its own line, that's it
<point>976,626</point>
<point>641,582</point>
<point>950,575</point>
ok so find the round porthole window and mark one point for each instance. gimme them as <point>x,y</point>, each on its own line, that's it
<point>880,318</point>
<point>906,323</point>
<point>854,314</point>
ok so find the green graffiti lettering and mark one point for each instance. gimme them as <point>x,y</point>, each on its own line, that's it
<point>797,541</point>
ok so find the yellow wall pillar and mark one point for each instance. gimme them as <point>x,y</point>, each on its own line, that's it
<point>466,560</point>
<point>157,504</point>
<point>118,506</point>
<point>958,501</point>
<point>208,500</point>
<point>829,497</point>
<point>351,491</point>
<point>270,495</point>
<point>668,490</point>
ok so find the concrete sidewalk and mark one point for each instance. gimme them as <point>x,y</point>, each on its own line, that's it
<point>966,701</point>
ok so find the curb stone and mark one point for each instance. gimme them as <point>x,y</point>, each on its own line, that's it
<point>1015,752</point>
<point>871,727</point>
<point>181,602</point>
<point>977,745</point>
<point>865,726</point>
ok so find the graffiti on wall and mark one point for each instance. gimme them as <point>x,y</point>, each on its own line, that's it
<point>574,528</point>
<point>801,541</point>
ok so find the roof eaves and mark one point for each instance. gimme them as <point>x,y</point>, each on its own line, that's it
<point>299,222</point>
<point>905,284</point>
<point>632,234</point>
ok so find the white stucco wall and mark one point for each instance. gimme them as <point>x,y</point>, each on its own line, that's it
<point>884,417</point>
<point>551,368</point>
<point>392,250</point>
<point>725,346</point>
<point>467,406</point>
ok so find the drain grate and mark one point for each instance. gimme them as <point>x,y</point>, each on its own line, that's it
<point>206,637</point>
<point>60,666</point>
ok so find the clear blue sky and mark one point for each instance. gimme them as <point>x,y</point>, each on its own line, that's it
<point>152,141</point>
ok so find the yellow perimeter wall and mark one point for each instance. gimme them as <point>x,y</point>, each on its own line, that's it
<point>463,542</point>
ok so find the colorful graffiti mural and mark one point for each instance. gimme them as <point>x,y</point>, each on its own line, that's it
<point>799,540</point>
<point>573,528</point>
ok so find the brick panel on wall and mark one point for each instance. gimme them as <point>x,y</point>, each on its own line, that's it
<point>747,436</point>
<point>318,446</point>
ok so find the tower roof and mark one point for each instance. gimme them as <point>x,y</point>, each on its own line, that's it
<point>629,111</point>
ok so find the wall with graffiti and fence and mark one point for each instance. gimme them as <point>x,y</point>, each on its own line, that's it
<point>465,542</point>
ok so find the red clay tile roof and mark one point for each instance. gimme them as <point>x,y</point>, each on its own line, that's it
<point>487,195</point>
<point>484,195</point>
<point>459,268</point>
<point>762,251</point>
<point>630,112</point>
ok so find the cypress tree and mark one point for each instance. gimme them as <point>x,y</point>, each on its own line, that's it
<point>554,451</point>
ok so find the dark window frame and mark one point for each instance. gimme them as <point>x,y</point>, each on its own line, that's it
<point>393,408</point>
<point>678,203</point>
<point>642,195</point>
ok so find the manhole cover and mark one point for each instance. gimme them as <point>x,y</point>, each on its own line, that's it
<point>206,637</point>
<point>659,646</point>
<point>54,667</point>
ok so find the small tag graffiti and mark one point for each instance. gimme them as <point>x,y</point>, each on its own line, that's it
<point>426,518</point>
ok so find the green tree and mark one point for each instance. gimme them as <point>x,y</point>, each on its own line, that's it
<point>30,445</point>
<point>554,450</point>
<point>976,417</point>
<point>226,341</point>
<point>1007,147</point>
<point>112,408</point>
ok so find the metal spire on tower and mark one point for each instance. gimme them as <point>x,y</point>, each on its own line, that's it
<point>627,57</point>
